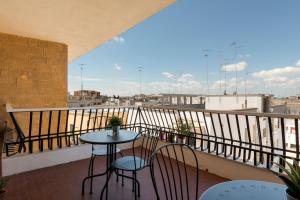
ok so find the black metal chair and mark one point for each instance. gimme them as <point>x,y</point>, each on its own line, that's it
<point>140,158</point>
<point>172,177</point>
<point>97,150</point>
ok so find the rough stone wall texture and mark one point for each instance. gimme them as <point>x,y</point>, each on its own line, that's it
<point>33,73</point>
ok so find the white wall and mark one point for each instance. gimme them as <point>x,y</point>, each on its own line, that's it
<point>233,102</point>
<point>28,162</point>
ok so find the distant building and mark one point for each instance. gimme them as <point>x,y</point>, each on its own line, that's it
<point>238,102</point>
<point>87,93</point>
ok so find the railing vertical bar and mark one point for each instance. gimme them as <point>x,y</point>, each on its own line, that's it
<point>40,131</point>
<point>74,127</point>
<point>249,137</point>
<point>146,117</point>
<point>49,131</point>
<point>159,118</point>
<point>259,140</point>
<point>230,134</point>
<point>101,116</point>
<point>207,132</point>
<point>106,119</point>
<point>214,129</point>
<point>131,116</point>
<point>30,132</point>
<point>58,139</point>
<point>137,113</point>
<point>239,133</point>
<point>151,111</point>
<point>201,131</point>
<point>169,114</point>
<point>95,119</point>
<point>297,140</point>
<point>283,141</point>
<point>271,140</point>
<point>88,122</point>
<point>195,132</point>
<point>67,139</point>
<point>222,132</point>
<point>81,122</point>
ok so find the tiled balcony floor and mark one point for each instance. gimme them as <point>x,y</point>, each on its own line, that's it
<point>63,182</point>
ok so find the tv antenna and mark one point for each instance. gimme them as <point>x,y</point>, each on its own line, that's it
<point>140,80</point>
<point>205,55</point>
<point>236,47</point>
<point>81,65</point>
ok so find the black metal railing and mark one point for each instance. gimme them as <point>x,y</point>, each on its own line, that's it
<point>258,139</point>
<point>47,129</point>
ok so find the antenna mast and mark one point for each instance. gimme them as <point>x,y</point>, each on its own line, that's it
<point>140,80</point>
<point>81,65</point>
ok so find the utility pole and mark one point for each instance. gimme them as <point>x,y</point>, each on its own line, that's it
<point>81,80</point>
<point>140,81</point>
<point>235,48</point>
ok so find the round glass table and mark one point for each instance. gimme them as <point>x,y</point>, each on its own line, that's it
<point>105,138</point>
<point>245,190</point>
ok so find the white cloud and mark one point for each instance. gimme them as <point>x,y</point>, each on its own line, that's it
<point>298,63</point>
<point>118,39</point>
<point>118,67</point>
<point>277,72</point>
<point>240,66</point>
<point>167,74</point>
<point>185,77</point>
<point>84,78</point>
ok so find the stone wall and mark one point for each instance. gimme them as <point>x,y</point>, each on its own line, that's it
<point>33,73</point>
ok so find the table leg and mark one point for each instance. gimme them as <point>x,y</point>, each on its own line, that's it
<point>111,149</point>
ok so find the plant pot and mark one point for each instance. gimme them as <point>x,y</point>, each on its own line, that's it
<point>2,194</point>
<point>163,136</point>
<point>115,130</point>
<point>289,196</point>
<point>170,138</point>
<point>181,139</point>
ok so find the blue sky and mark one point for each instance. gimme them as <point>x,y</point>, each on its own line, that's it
<point>170,46</point>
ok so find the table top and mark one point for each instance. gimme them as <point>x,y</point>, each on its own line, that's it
<point>246,190</point>
<point>105,137</point>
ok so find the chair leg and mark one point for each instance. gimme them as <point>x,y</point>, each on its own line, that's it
<point>135,190</point>
<point>91,174</point>
<point>122,178</point>
<point>133,182</point>
<point>117,175</point>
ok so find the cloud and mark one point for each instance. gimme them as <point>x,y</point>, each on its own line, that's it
<point>244,56</point>
<point>84,78</point>
<point>119,39</point>
<point>277,72</point>
<point>167,74</point>
<point>298,63</point>
<point>240,66</point>
<point>185,77</point>
<point>118,67</point>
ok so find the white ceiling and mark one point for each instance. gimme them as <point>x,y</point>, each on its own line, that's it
<point>81,24</point>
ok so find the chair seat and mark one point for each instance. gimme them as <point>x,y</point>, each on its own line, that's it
<point>128,162</point>
<point>102,151</point>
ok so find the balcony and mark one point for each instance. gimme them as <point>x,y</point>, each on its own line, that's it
<point>244,143</point>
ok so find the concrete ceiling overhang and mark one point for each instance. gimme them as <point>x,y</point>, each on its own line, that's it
<point>81,24</point>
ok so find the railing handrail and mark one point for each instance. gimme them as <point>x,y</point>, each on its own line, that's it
<point>10,109</point>
<point>230,112</point>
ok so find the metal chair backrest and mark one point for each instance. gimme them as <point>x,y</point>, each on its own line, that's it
<point>175,172</point>
<point>148,142</point>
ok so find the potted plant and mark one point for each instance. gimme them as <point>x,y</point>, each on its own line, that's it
<point>291,179</point>
<point>183,133</point>
<point>115,123</point>
<point>3,183</point>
